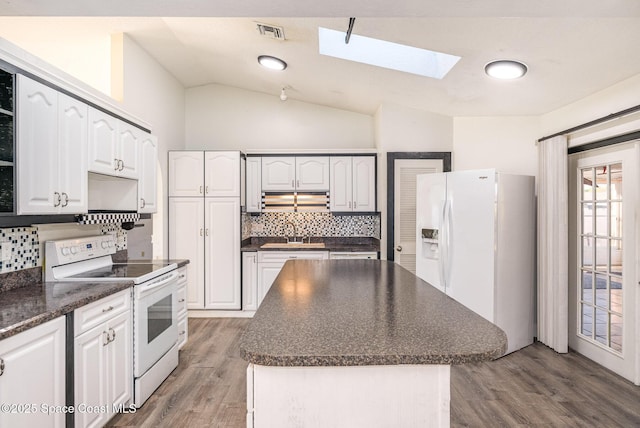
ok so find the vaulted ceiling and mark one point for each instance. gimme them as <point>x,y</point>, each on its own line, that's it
<point>573,48</point>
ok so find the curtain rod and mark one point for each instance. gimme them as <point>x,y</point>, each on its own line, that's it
<point>594,122</point>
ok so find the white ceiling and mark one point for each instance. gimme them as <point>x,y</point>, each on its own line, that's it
<point>573,49</point>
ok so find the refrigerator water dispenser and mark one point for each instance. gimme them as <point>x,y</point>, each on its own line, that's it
<point>430,248</point>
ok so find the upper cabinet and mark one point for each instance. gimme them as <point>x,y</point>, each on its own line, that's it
<point>300,173</point>
<point>353,183</point>
<point>113,146</point>
<point>254,184</point>
<point>6,141</point>
<point>51,134</point>
<point>209,174</point>
<point>147,192</point>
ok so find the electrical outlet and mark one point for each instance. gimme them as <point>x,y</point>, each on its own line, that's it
<point>6,251</point>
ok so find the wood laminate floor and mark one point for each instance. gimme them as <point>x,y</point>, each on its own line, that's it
<point>532,387</point>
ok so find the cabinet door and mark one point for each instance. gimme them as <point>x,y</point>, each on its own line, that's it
<point>249,281</point>
<point>267,273</point>
<point>37,148</point>
<point>186,173</point>
<point>278,173</point>
<point>147,190</point>
<point>72,154</point>
<point>222,174</point>
<point>222,248</point>
<point>186,241</point>
<point>120,361</point>
<point>127,150</point>
<point>34,372</point>
<point>340,195</point>
<point>254,188</point>
<point>102,142</point>
<point>183,331</point>
<point>312,173</point>
<point>364,183</point>
<point>90,375</point>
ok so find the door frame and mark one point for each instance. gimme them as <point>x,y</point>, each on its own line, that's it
<point>391,161</point>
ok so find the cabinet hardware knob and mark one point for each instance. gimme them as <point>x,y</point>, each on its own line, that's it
<point>112,335</point>
<point>201,232</point>
<point>110,308</point>
<point>206,232</point>
<point>355,205</point>
<point>297,183</point>
<point>399,248</point>
<point>105,338</point>
<point>57,199</point>
<point>121,164</point>
<point>116,164</point>
<point>349,204</point>
<point>200,189</point>
<point>1,366</point>
<point>206,190</point>
<point>182,333</point>
<point>181,301</point>
<point>181,276</point>
<point>66,200</point>
<point>143,203</point>
<point>293,184</point>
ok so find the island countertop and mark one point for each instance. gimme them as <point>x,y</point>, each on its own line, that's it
<point>363,312</point>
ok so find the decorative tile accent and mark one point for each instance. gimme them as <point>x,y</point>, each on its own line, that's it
<point>117,230</point>
<point>310,224</point>
<point>25,248</point>
<point>101,218</point>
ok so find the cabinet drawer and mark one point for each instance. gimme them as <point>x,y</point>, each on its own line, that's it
<point>183,330</point>
<point>182,275</point>
<point>98,312</point>
<point>182,299</point>
<point>283,256</point>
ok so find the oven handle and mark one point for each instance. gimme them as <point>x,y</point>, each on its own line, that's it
<point>160,282</point>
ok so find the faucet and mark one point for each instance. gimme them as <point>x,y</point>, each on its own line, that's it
<point>295,231</point>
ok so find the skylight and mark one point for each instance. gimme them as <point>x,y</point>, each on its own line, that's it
<point>382,53</point>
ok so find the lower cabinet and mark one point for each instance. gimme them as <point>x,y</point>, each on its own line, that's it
<point>250,281</point>
<point>103,366</point>
<point>183,322</point>
<point>271,262</point>
<point>32,376</point>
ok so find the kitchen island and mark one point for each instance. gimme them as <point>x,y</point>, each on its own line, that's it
<point>358,343</point>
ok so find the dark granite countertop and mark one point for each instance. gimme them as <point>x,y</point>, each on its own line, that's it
<point>363,312</point>
<point>30,302</point>
<point>27,307</point>
<point>358,244</point>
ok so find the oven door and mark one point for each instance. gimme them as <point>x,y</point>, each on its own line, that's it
<point>155,321</point>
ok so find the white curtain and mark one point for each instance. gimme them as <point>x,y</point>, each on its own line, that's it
<point>553,293</point>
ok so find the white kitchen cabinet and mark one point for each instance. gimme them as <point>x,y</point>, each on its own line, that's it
<point>186,173</point>
<point>271,262</point>
<point>147,183</point>
<point>253,184</point>
<point>186,241</point>
<point>183,321</point>
<point>113,145</point>
<point>32,372</point>
<point>52,140</point>
<point>103,366</point>
<point>300,173</point>
<point>221,173</point>
<point>222,247</point>
<point>353,183</point>
<point>250,281</point>
<point>205,227</point>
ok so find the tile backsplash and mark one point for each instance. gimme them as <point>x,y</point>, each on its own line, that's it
<point>25,248</point>
<point>310,224</point>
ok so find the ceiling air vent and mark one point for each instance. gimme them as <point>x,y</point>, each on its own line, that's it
<point>271,31</point>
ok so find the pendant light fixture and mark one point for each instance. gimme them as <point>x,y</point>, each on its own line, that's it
<point>272,63</point>
<point>505,69</point>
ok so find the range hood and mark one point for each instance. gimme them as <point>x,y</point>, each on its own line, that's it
<point>112,194</point>
<point>295,201</point>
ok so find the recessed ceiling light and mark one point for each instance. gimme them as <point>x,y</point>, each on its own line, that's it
<point>505,69</point>
<point>272,62</point>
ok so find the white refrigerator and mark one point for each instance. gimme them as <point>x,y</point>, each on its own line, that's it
<point>476,243</point>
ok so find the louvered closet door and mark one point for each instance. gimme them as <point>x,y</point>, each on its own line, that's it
<point>405,207</point>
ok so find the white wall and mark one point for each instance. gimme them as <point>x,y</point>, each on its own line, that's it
<point>155,96</point>
<point>403,129</point>
<point>221,118</point>
<point>505,143</point>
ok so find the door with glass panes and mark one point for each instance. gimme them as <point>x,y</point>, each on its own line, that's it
<point>602,258</point>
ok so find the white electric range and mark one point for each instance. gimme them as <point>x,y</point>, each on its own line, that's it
<point>155,331</point>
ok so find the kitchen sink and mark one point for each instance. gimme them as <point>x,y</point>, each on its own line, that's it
<point>293,245</point>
